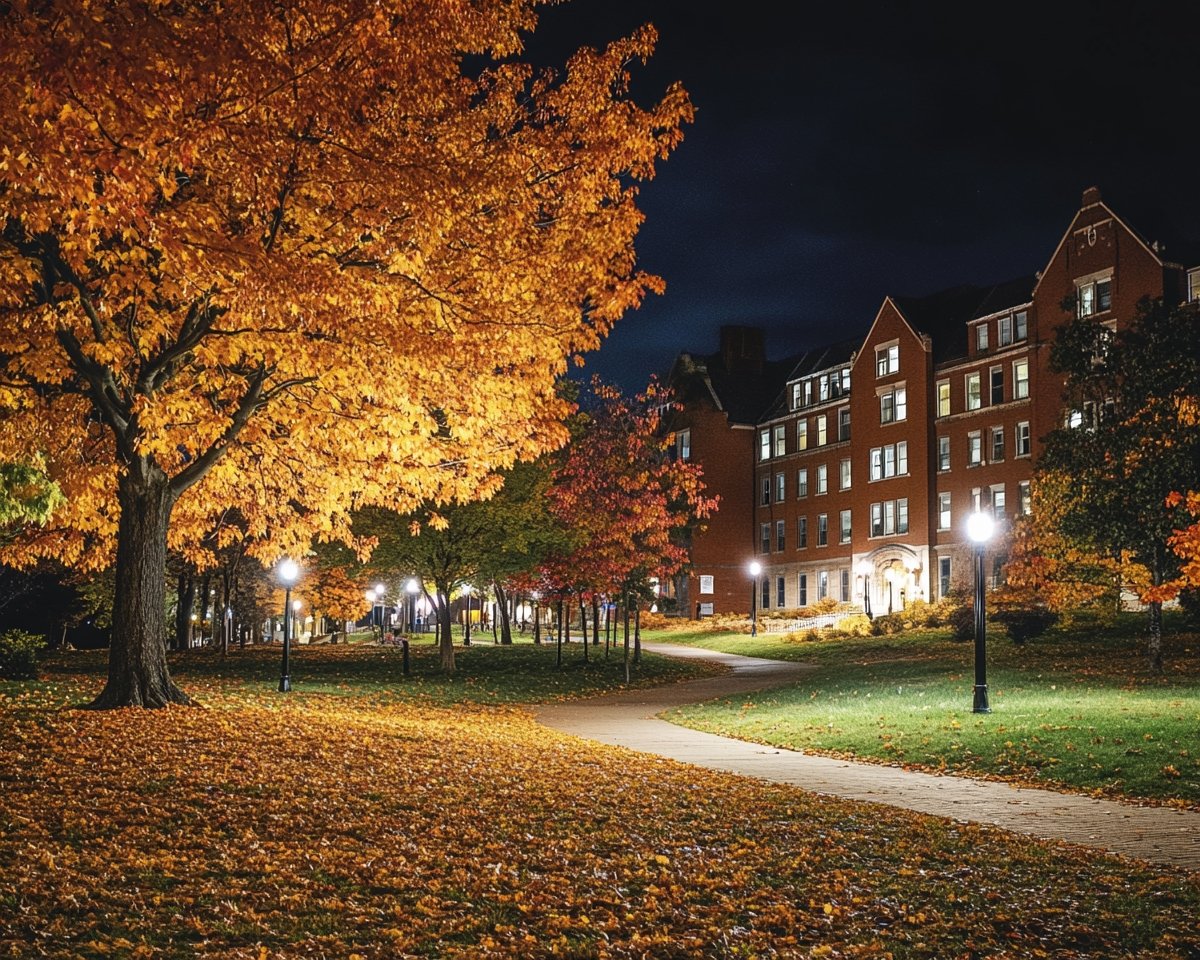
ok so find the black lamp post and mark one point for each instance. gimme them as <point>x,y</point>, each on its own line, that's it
<point>979,529</point>
<point>467,624</point>
<point>755,569</point>
<point>412,588</point>
<point>288,572</point>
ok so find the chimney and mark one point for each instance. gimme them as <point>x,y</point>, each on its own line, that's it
<point>1090,195</point>
<point>742,349</point>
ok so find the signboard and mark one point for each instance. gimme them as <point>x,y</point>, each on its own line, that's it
<point>706,586</point>
<point>706,609</point>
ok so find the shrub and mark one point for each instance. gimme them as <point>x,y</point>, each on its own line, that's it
<point>1025,623</point>
<point>19,653</point>
<point>887,624</point>
<point>961,618</point>
<point>1189,606</point>
<point>856,625</point>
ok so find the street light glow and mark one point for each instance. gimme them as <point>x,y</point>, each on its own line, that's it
<point>980,527</point>
<point>755,568</point>
<point>289,570</point>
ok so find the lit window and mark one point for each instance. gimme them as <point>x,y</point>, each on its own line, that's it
<point>802,434</point>
<point>802,482</point>
<point>822,479</point>
<point>764,445</point>
<point>974,399</point>
<point>887,360</point>
<point>844,475</point>
<point>797,396</point>
<point>1004,331</point>
<point>1094,296</point>
<point>943,398</point>
<point>823,530</point>
<point>981,337</point>
<point>943,453</point>
<point>1024,498</point>
<point>1020,379</point>
<point>1194,285</point>
<point>943,511</point>
<point>822,585</point>
<point>893,405</point>
<point>780,440</point>
<point>998,508</point>
<point>822,430</point>
<point>974,449</point>
<point>889,461</point>
<point>683,444</point>
<point>1023,439</point>
<point>889,517</point>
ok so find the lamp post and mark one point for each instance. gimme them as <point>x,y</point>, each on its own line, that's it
<point>864,568</point>
<point>755,569</point>
<point>890,576</point>
<point>412,588</point>
<point>288,572</point>
<point>979,529</point>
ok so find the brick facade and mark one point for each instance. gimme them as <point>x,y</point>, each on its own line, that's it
<point>868,456</point>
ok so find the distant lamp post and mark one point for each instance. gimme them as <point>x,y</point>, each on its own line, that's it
<point>755,569</point>
<point>979,529</point>
<point>890,576</point>
<point>289,570</point>
<point>467,623</point>
<point>864,568</point>
<point>381,592</point>
<point>412,588</point>
<point>372,597</point>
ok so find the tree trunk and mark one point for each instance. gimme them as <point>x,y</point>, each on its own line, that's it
<point>445,628</point>
<point>595,619</point>
<point>537,622</point>
<point>137,657</point>
<point>205,597</point>
<point>1154,641</point>
<point>637,631</point>
<point>583,627</point>
<point>559,629</point>
<point>625,613</point>
<point>502,608</point>
<point>185,600</point>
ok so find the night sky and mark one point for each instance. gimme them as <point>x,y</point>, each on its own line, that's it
<point>843,152</point>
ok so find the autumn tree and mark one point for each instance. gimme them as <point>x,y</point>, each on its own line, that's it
<point>1130,439</point>
<point>296,258</point>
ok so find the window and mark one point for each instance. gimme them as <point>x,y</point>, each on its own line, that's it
<point>981,338</point>
<point>943,453</point>
<point>706,583</point>
<point>997,378</point>
<point>976,504</point>
<point>844,423</point>
<point>1020,379</point>
<point>943,511</point>
<point>822,479</point>
<point>997,444</point>
<point>764,445</point>
<point>765,500</point>
<point>1193,285</point>
<point>998,502</point>
<point>683,445</point>
<point>893,405</point>
<point>801,532</point>
<point>802,591</point>
<point>887,360</point>
<point>974,449</point>
<point>943,576</point>
<point>889,461</point>
<point>1093,296</point>
<point>823,530</point>
<point>823,387</point>
<point>943,398</point>
<point>1020,325</point>
<point>797,396</point>
<point>974,400</point>
<point>844,535</point>
<point>780,439</point>
<point>802,433</point>
<point>802,482</point>
<point>766,592</point>
<point>844,475</point>
<point>1024,497</point>
<point>889,517</point>
<point>780,487</point>
<point>1004,331</point>
<point>780,534</point>
<point>1022,445</point>
<point>779,594</point>
<point>845,584</point>
<point>822,430</point>
<point>845,380</point>
<point>822,585</point>
<point>765,538</point>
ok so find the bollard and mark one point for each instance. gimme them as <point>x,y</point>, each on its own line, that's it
<point>404,647</point>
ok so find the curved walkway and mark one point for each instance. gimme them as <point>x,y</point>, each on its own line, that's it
<point>629,719</point>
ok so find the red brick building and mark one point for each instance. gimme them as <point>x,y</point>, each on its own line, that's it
<point>869,455</point>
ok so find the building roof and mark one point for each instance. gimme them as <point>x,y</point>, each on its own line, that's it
<point>944,315</point>
<point>742,393</point>
<point>810,362</point>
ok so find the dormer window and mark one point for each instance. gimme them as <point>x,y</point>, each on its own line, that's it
<point>981,338</point>
<point>1194,285</point>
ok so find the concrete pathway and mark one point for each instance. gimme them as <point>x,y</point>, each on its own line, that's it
<point>629,719</point>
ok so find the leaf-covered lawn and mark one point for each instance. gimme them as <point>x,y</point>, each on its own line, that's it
<point>334,827</point>
<point>1075,710</point>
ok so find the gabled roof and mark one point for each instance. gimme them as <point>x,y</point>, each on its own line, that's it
<point>741,394</point>
<point>944,315</point>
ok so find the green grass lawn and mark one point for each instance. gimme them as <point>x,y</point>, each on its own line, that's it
<point>1076,709</point>
<point>486,673</point>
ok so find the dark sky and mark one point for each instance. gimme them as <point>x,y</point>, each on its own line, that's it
<point>843,152</point>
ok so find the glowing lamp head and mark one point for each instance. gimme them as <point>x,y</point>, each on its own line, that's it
<point>412,586</point>
<point>289,570</point>
<point>979,527</point>
<point>864,567</point>
<point>755,568</point>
